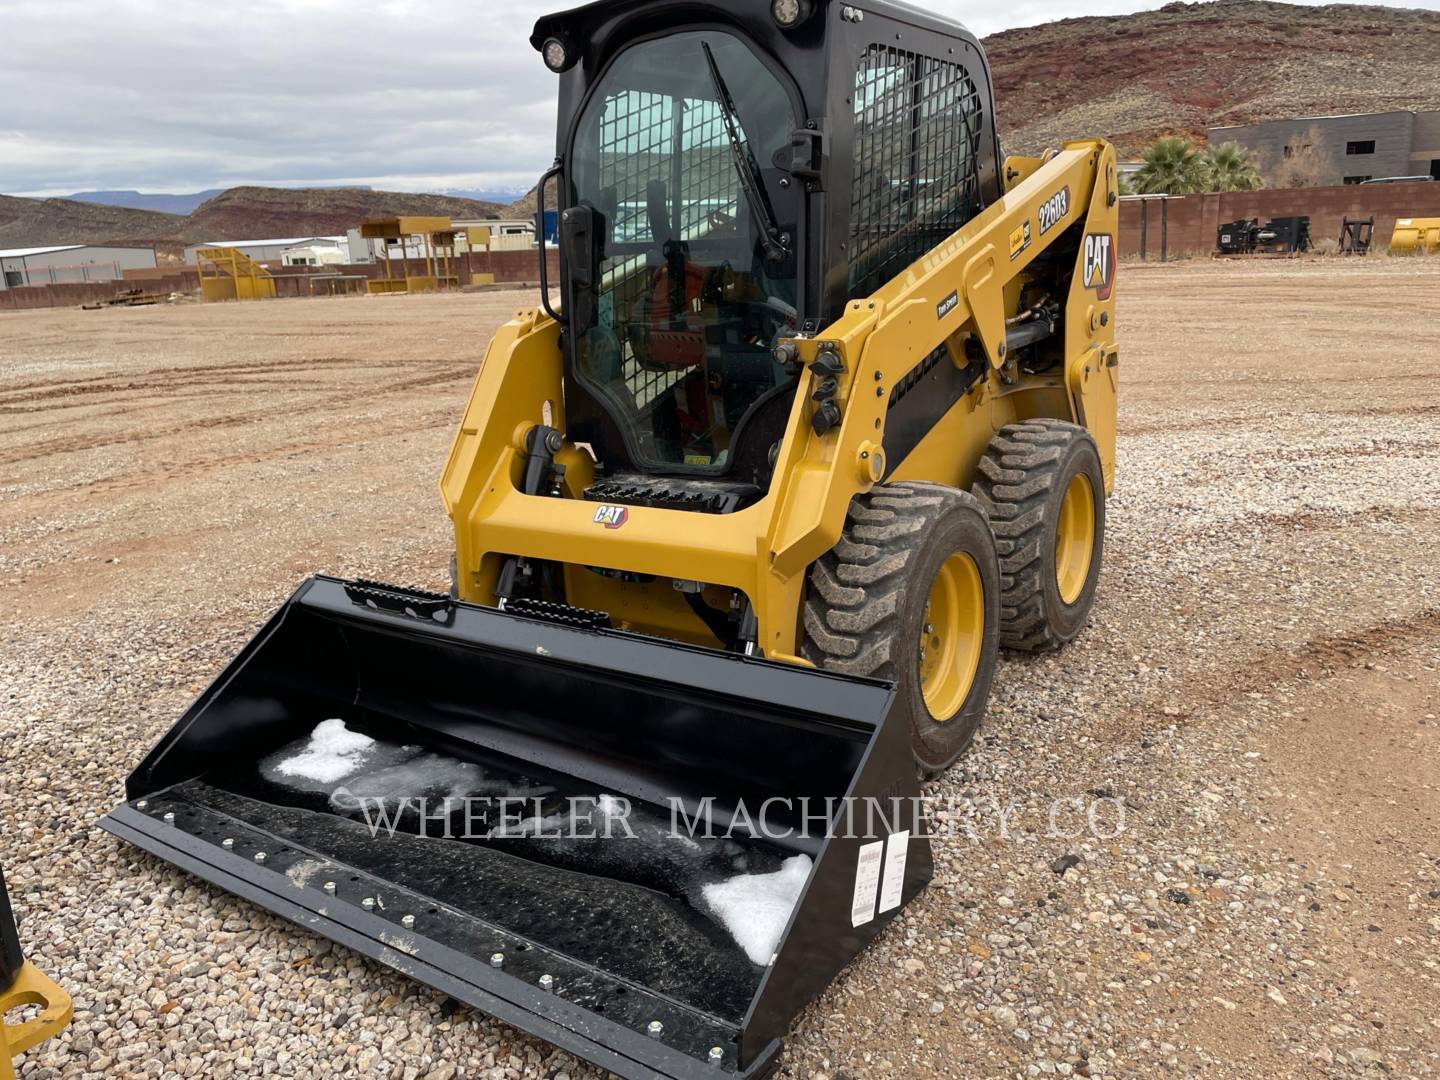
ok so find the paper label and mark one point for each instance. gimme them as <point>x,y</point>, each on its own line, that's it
<point>896,848</point>
<point>867,883</point>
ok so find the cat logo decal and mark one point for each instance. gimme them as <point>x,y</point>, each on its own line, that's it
<point>1098,269</point>
<point>612,517</point>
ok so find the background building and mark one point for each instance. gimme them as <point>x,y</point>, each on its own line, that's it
<point>68,264</point>
<point>1345,149</point>
<point>315,255</point>
<point>269,250</point>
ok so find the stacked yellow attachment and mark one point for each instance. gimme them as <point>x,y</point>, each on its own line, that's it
<point>1416,236</point>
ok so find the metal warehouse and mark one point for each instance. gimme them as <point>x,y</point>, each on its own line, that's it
<point>67,264</point>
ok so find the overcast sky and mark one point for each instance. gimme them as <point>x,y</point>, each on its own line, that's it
<point>182,95</point>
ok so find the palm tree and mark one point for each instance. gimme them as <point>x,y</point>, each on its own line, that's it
<point>1230,169</point>
<point>1172,167</point>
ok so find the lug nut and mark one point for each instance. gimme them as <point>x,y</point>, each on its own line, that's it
<point>547,982</point>
<point>407,921</point>
<point>655,1029</point>
<point>260,856</point>
<point>716,1055</point>
<point>329,887</point>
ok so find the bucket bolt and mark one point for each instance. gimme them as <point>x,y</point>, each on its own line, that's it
<point>170,817</point>
<point>497,960</point>
<point>368,903</point>
<point>260,856</point>
<point>655,1029</point>
<point>330,887</point>
<point>716,1055</point>
<point>547,982</point>
<point>142,804</point>
<point>228,843</point>
<point>407,921</point>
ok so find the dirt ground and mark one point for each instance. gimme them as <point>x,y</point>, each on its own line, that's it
<point>1258,689</point>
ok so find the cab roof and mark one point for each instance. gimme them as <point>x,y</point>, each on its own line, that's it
<point>548,25</point>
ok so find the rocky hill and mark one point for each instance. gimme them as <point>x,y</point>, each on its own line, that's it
<point>244,213</point>
<point>35,222</point>
<point>1187,67</point>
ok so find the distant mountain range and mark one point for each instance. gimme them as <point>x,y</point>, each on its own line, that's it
<point>188,203</point>
<point>143,200</point>
<point>243,213</point>
<point>506,196</point>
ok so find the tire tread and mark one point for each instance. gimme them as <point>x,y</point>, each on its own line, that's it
<point>1014,481</point>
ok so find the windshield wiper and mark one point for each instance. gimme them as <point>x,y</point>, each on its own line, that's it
<point>746,168</point>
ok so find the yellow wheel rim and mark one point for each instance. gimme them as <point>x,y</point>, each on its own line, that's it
<point>951,636</point>
<point>1075,538</point>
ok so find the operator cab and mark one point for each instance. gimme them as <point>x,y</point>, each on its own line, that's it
<point>730,175</point>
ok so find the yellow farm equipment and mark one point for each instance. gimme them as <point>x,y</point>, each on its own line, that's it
<point>227,273</point>
<point>824,418</point>
<point>410,243</point>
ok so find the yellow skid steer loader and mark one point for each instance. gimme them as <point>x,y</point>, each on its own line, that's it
<point>824,416</point>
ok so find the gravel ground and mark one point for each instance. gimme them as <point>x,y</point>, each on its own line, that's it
<point>1257,695</point>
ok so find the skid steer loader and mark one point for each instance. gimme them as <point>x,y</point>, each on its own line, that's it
<point>824,416</point>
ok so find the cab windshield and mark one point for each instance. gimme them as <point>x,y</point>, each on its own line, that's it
<point>693,287</point>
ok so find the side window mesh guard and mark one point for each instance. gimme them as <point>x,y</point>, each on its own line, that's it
<point>917,150</point>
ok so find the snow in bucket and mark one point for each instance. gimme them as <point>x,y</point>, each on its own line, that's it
<point>755,908</point>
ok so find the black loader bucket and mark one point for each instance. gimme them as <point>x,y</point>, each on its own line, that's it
<point>650,854</point>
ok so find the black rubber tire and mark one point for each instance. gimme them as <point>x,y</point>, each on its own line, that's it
<point>865,602</point>
<point>1021,481</point>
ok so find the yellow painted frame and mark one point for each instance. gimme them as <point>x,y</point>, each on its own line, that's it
<point>1414,236</point>
<point>957,290</point>
<point>31,987</point>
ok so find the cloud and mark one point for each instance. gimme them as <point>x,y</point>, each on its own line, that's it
<point>165,95</point>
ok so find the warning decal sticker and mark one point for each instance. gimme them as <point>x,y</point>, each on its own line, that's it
<point>867,883</point>
<point>896,848</point>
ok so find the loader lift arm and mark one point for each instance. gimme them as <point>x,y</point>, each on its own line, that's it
<point>955,291</point>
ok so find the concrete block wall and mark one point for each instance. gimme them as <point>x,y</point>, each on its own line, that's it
<point>73,295</point>
<point>1193,219</point>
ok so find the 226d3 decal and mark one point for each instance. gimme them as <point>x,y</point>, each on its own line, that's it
<point>1098,268</point>
<point>1054,209</point>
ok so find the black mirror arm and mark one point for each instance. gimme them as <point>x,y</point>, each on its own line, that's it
<point>555,171</point>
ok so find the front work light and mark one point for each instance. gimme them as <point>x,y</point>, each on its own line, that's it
<point>789,14</point>
<point>557,53</point>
